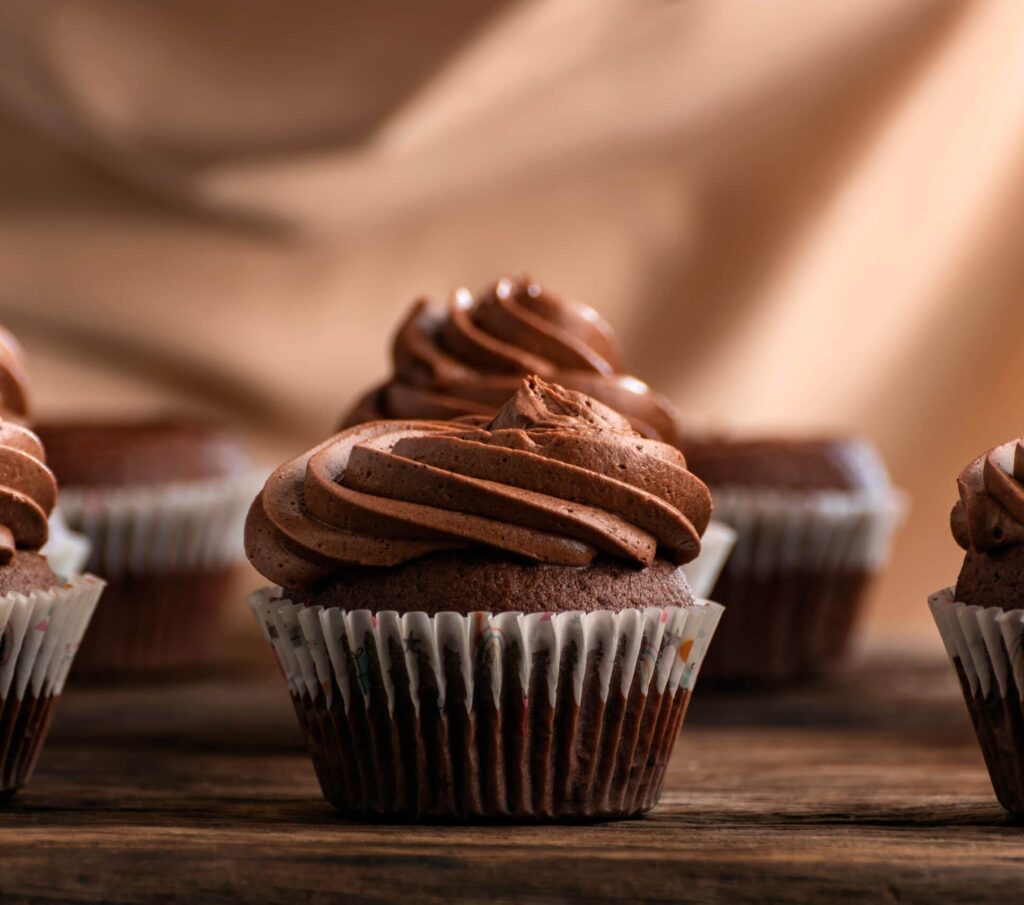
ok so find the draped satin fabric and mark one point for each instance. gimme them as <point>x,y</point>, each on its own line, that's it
<point>798,216</point>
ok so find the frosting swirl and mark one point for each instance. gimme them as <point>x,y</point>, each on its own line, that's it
<point>28,491</point>
<point>990,513</point>
<point>555,476</point>
<point>13,382</point>
<point>468,359</point>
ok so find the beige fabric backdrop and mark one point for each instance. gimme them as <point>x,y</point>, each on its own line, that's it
<point>799,215</point>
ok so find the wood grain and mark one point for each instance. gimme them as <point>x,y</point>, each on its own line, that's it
<point>871,789</point>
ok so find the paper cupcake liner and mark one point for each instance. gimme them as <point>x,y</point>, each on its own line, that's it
<point>986,646</point>
<point>507,716</point>
<point>66,551</point>
<point>158,624</point>
<point>715,547</point>
<point>166,529</point>
<point>169,554</point>
<point>39,635</point>
<point>796,531</point>
<point>795,580</point>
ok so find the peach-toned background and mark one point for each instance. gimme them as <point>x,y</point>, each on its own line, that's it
<point>799,215</point>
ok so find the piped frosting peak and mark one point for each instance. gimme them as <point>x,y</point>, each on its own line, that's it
<point>554,476</point>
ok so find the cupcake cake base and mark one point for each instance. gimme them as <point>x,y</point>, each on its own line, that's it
<point>789,628</point>
<point>158,623</point>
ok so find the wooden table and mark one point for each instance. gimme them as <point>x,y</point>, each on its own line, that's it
<point>869,789</point>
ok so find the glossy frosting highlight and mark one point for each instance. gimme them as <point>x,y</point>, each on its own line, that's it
<point>555,476</point>
<point>990,513</point>
<point>28,491</point>
<point>469,358</point>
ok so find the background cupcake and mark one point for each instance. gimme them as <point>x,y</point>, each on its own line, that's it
<point>162,502</point>
<point>981,619</point>
<point>814,519</point>
<point>487,621</point>
<point>469,358</point>
<point>42,616</point>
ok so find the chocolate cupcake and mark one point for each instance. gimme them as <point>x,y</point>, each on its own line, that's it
<point>981,619</point>
<point>814,519</point>
<point>42,617</point>
<point>469,358</point>
<point>162,502</point>
<point>486,620</point>
<point>66,551</point>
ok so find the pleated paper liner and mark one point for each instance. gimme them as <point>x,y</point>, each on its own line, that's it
<point>163,529</point>
<point>170,554</point>
<point>39,636</point>
<point>986,646</point>
<point>498,717</point>
<point>795,581</point>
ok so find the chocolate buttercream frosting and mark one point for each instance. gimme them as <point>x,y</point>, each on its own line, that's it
<point>28,491</point>
<point>468,359</point>
<point>990,513</point>
<point>13,382</point>
<point>555,477</point>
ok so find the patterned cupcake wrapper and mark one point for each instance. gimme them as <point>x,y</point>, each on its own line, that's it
<point>508,716</point>
<point>796,578</point>
<point>167,529</point>
<point>986,646</point>
<point>715,547</point>
<point>39,635</point>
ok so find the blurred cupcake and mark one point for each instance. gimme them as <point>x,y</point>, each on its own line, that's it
<point>42,617</point>
<point>981,620</point>
<point>162,502</point>
<point>814,519</point>
<point>486,621</point>
<point>469,358</point>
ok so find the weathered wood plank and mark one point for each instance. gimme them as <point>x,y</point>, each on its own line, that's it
<point>869,790</point>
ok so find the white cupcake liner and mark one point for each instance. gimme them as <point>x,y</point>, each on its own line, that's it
<point>781,531</point>
<point>66,551</point>
<point>166,529</point>
<point>988,642</point>
<point>666,645</point>
<point>795,580</point>
<point>500,716</point>
<point>715,547</point>
<point>40,633</point>
<point>986,646</point>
